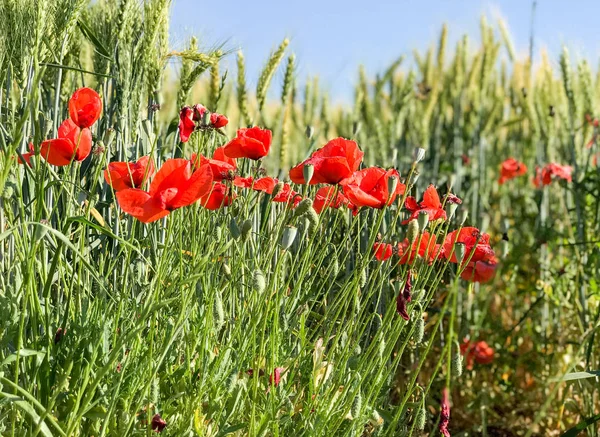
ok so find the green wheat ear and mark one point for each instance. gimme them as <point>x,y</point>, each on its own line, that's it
<point>242,94</point>
<point>267,73</point>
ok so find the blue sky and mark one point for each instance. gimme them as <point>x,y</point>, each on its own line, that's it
<point>332,37</point>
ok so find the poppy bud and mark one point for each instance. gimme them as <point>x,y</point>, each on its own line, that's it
<point>158,423</point>
<point>277,189</point>
<point>418,155</point>
<point>392,183</point>
<point>245,230</point>
<point>420,417</point>
<point>313,221</point>
<point>423,220</point>
<point>288,237</point>
<point>413,231</point>
<point>463,216</point>
<point>206,118</point>
<point>460,250</point>
<point>308,171</point>
<point>451,209</point>
<point>309,132</point>
<point>108,137</point>
<point>258,281</point>
<point>234,229</point>
<point>303,207</point>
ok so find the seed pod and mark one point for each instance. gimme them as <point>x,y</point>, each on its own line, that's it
<point>108,137</point>
<point>206,118</point>
<point>456,364</point>
<point>258,281</point>
<point>451,210</point>
<point>418,155</point>
<point>303,207</point>
<point>413,231</point>
<point>420,417</point>
<point>419,330</point>
<point>392,185</point>
<point>234,229</point>
<point>423,220</point>
<point>459,251</point>
<point>246,228</point>
<point>308,171</point>
<point>288,237</point>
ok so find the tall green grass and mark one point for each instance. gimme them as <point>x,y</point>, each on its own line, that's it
<point>106,322</point>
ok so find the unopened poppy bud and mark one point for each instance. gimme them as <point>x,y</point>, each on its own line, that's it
<point>258,281</point>
<point>459,250</point>
<point>392,185</point>
<point>418,155</point>
<point>463,216</point>
<point>413,231</point>
<point>245,230</point>
<point>108,137</point>
<point>423,220</point>
<point>288,237</point>
<point>277,188</point>
<point>308,170</point>
<point>234,229</point>
<point>420,417</point>
<point>451,209</point>
<point>313,221</point>
<point>309,132</point>
<point>206,118</point>
<point>415,177</point>
<point>303,207</point>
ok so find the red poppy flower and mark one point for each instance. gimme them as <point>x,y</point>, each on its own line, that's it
<point>218,197</point>
<point>444,413</point>
<point>425,246</point>
<point>473,240</point>
<point>545,175</point>
<point>241,182</point>
<point>480,353</point>
<point>253,143</point>
<point>221,165</point>
<point>266,184</point>
<point>326,197</point>
<point>510,169</point>
<point>431,205</point>
<point>72,144</point>
<point>27,156</point>
<point>335,161</point>
<point>123,175</point>
<point>480,271</point>
<point>158,423</point>
<point>275,377</point>
<point>175,185</point>
<point>85,107</point>
<point>186,123</point>
<point>287,195</point>
<point>218,121</point>
<point>383,251</point>
<point>369,187</point>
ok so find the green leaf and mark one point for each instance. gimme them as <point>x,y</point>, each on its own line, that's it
<point>23,353</point>
<point>576,430</point>
<point>232,429</point>
<point>581,375</point>
<point>80,70</point>
<point>87,32</point>
<point>27,409</point>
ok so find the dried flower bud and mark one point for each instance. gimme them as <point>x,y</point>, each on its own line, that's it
<point>423,220</point>
<point>158,423</point>
<point>288,237</point>
<point>418,155</point>
<point>412,232</point>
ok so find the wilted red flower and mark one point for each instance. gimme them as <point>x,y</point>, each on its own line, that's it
<point>369,187</point>
<point>404,297</point>
<point>479,352</point>
<point>326,197</point>
<point>275,377</point>
<point>27,156</point>
<point>452,198</point>
<point>158,423</point>
<point>186,123</point>
<point>480,271</point>
<point>544,176</point>
<point>431,204</point>
<point>383,251</point>
<point>510,169</point>
<point>473,239</point>
<point>337,160</point>
<point>219,197</point>
<point>85,107</point>
<point>253,143</point>
<point>72,144</point>
<point>124,175</point>
<point>445,413</point>
<point>425,246</point>
<point>220,164</point>
<point>218,121</point>
<point>175,185</point>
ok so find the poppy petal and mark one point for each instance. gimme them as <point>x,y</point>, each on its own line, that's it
<point>141,205</point>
